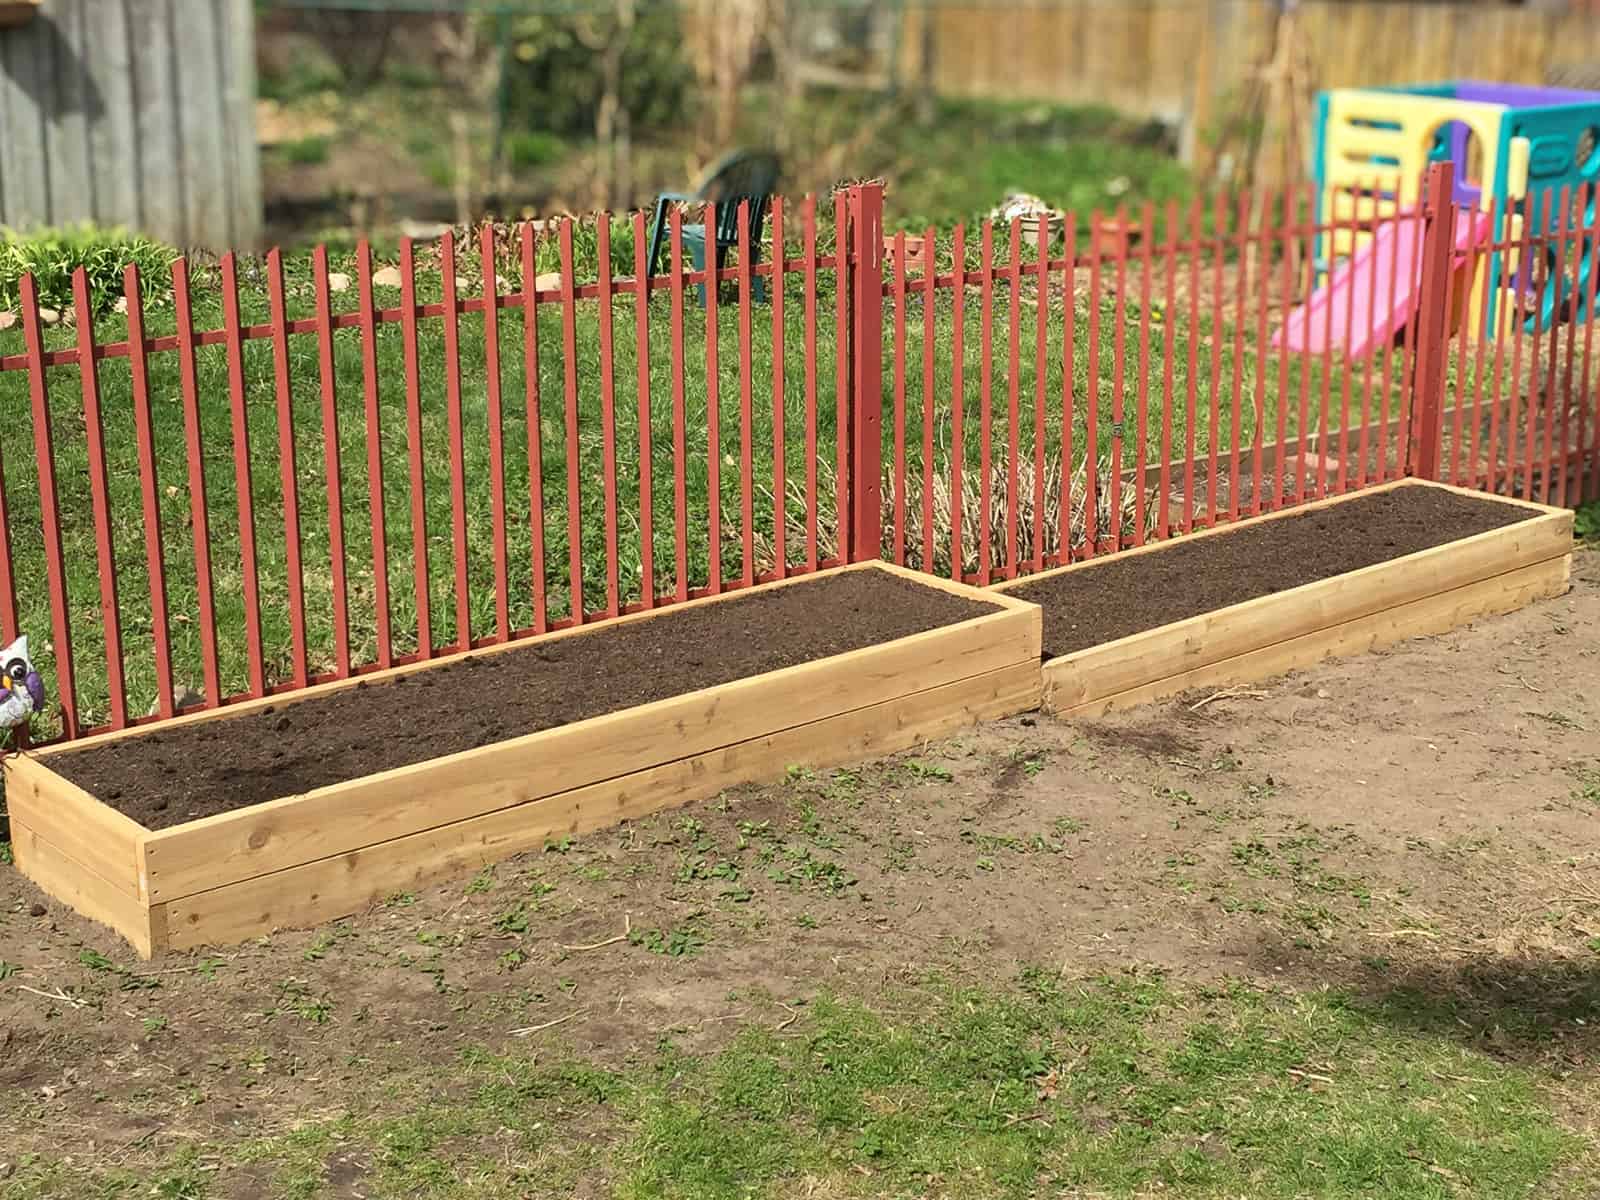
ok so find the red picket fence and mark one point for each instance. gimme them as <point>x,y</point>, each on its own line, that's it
<point>431,479</point>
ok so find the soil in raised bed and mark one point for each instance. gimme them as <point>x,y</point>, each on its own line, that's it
<point>1186,578</point>
<point>169,776</point>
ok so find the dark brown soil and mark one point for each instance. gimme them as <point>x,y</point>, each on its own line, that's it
<point>1131,595</point>
<point>170,776</point>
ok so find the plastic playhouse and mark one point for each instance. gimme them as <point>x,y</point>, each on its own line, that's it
<point>1371,149</point>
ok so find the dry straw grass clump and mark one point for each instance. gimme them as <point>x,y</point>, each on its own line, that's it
<point>1032,486</point>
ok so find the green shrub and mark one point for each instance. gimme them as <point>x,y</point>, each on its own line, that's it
<point>585,249</point>
<point>552,80</point>
<point>307,74</point>
<point>1587,525</point>
<point>531,148</point>
<point>306,151</point>
<point>52,255</point>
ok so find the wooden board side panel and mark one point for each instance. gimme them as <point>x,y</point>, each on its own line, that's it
<point>1418,618</point>
<point>82,889</point>
<point>345,883</point>
<point>1112,667</point>
<point>75,822</point>
<point>208,853</point>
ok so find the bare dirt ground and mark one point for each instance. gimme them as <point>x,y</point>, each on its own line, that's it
<point>1418,823</point>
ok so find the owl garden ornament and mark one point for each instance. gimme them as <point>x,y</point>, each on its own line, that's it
<point>21,689</point>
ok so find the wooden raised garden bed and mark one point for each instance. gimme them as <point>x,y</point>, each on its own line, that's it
<point>295,809</point>
<point>1259,597</point>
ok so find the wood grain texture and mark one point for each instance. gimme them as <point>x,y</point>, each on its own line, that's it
<point>347,882</point>
<point>83,828</point>
<point>85,890</point>
<point>1172,58</point>
<point>1433,614</point>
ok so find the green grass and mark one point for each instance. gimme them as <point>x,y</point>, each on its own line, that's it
<point>1116,1087</point>
<point>1587,523</point>
<point>965,160</point>
<point>305,152</point>
<point>1113,387</point>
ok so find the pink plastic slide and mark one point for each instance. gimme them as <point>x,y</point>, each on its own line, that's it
<point>1368,312</point>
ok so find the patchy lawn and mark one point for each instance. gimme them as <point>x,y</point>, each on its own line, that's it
<point>1339,938</point>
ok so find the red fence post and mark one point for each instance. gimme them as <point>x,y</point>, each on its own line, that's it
<point>1433,324</point>
<point>866,372</point>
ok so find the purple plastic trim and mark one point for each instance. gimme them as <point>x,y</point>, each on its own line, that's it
<point>1520,95</point>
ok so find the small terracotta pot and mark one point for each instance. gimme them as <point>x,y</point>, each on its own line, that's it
<point>916,253</point>
<point>1115,238</point>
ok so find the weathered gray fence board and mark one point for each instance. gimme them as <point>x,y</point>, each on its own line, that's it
<point>133,112</point>
<point>238,66</point>
<point>199,113</point>
<point>74,102</point>
<point>111,67</point>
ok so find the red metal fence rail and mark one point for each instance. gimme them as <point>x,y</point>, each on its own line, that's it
<point>253,488</point>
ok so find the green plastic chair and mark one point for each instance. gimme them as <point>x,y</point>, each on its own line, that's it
<point>744,175</point>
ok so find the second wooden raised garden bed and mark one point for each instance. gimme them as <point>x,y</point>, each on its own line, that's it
<point>291,810</point>
<point>1259,597</point>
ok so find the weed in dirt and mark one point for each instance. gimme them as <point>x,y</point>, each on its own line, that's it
<point>8,969</point>
<point>899,853</point>
<point>806,921</point>
<point>1253,858</point>
<point>510,960</point>
<point>1030,760</point>
<point>153,1026</point>
<point>400,900</point>
<point>513,920</point>
<point>96,961</point>
<point>296,998</point>
<point>990,842</point>
<point>557,845</point>
<point>324,942</point>
<point>1560,720</point>
<point>1264,790</point>
<point>811,825</point>
<point>1175,795</point>
<point>672,943</point>
<point>1065,827</point>
<point>926,772</point>
<point>207,968</point>
<point>1587,789</point>
<point>482,882</point>
<point>806,870</point>
<point>1226,761</point>
<point>6,856</point>
<point>700,870</point>
<point>844,786</point>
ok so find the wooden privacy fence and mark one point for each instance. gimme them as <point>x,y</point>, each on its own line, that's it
<point>1173,59</point>
<point>250,486</point>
